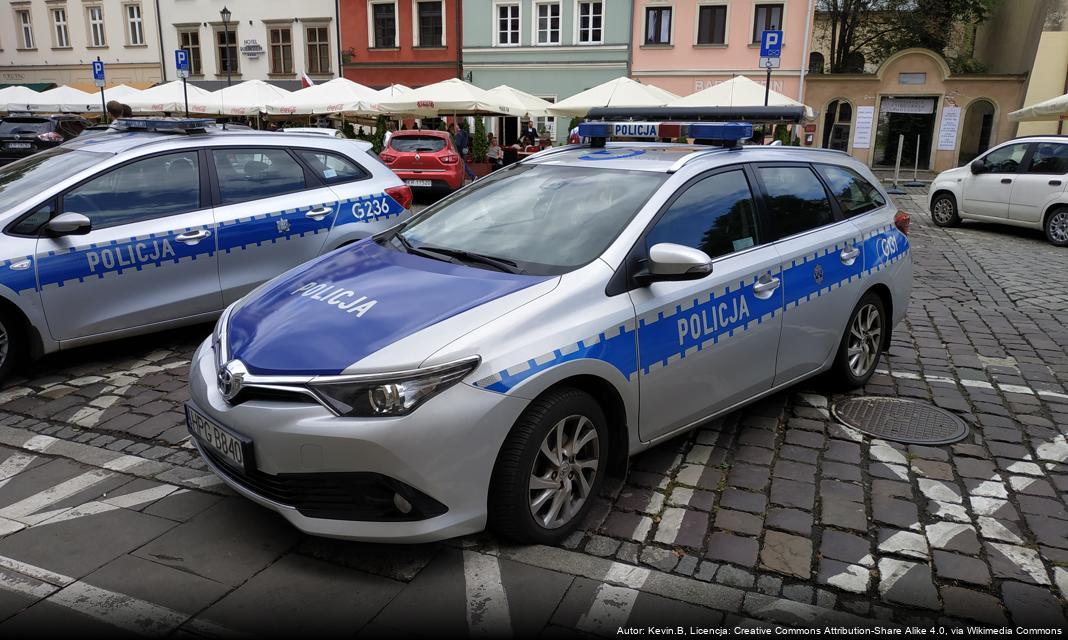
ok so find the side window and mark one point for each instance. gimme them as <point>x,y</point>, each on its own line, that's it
<point>332,168</point>
<point>1006,159</point>
<point>1049,157</point>
<point>855,195</point>
<point>250,174</point>
<point>715,215</point>
<point>796,199</point>
<point>143,190</point>
<point>31,223</point>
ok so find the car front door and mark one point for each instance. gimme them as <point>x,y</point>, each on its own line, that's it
<point>148,258</point>
<point>821,259</point>
<point>705,345</point>
<point>987,193</point>
<point>1041,181</point>
<point>273,214</point>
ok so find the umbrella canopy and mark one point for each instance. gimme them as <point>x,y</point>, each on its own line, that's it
<point>525,103</point>
<point>392,91</point>
<point>621,92</point>
<point>167,98</point>
<point>339,95</point>
<point>1051,109</point>
<point>739,91</point>
<point>59,100</point>
<point>245,99</point>
<point>119,92</point>
<point>452,96</point>
<point>16,94</point>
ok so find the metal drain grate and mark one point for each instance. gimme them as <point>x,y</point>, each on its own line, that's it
<point>900,420</point>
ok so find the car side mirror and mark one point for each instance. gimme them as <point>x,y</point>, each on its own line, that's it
<point>674,262</point>
<point>978,166</point>
<point>69,224</point>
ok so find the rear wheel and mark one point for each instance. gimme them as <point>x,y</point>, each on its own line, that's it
<point>12,344</point>
<point>858,353</point>
<point>550,468</point>
<point>944,211</point>
<point>1057,227</point>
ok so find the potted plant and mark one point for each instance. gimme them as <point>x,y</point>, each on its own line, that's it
<point>479,144</point>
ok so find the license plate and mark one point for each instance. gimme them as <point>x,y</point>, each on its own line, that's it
<point>18,145</point>
<point>418,183</point>
<point>233,449</point>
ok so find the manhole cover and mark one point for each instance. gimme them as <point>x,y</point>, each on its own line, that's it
<point>900,420</point>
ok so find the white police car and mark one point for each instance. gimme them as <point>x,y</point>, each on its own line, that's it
<point>492,359</point>
<point>161,222</point>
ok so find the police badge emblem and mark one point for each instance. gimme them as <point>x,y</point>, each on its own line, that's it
<point>817,273</point>
<point>283,225</point>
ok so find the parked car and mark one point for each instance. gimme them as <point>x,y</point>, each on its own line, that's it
<point>424,159</point>
<point>491,359</point>
<point>25,135</point>
<point>1019,183</point>
<point>136,230</point>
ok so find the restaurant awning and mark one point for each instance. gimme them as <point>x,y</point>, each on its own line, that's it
<point>621,92</point>
<point>336,96</point>
<point>1051,109</point>
<point>168,98</point>
<point>248,98</point>
<point>739,91</point>
<point>452,96</point>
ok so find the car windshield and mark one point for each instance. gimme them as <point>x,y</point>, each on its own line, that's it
<point>13,126</point>
<point>23,180</point>
<point>416,143</point>
<point>547,219</point>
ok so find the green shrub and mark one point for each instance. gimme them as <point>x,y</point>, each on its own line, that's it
<point>479,143</point>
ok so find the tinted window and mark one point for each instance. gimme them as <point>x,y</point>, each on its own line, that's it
<point>31,224</point>
<point>25,179</point>
<point>416,143</point>
<point>796,199</point>
<point>1006,159</point>
<point>715,215</point>
<point>332,168</point>
<point>1049,157</point>
<point>248,174</point>
<point>855,195</point>
<point>142,190</point>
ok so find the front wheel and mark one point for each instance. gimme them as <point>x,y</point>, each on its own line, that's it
<point>859,351</point>
<point>944,211</point>
<point>1057,228</point>
<point>550,468</point>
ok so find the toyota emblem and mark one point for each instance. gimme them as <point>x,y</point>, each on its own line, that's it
<point>231,376</point>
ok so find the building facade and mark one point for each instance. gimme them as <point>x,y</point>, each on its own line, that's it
<point>409,42</point>
<point>685,46</point>
<point>55,42</point>
<point>271,40</point>
<point>552,49</point>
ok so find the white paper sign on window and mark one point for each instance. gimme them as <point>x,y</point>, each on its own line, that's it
<point>862,129</point>
<point>947,129</point>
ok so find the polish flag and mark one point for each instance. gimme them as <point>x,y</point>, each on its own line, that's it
<point>305,81</point>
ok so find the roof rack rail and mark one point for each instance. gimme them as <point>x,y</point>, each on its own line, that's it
<point>792,115</point>
<point>165,124</point>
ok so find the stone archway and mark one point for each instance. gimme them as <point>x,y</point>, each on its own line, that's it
<point>976,130</point>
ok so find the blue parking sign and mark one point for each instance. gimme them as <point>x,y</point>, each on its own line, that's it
<point>181,59</point>
<point>771,44</point>
<point>98,70</point>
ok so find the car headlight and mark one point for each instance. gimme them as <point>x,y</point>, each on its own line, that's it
<point>388,395</point>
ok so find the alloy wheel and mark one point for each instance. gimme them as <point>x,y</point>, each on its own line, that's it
<point>1058,226</point>
<point>942,211</point>
<point>4,344</point>
<point>564,471</point>
<point>865,337</point>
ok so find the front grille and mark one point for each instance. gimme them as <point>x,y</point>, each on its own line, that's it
<point>360,495</point>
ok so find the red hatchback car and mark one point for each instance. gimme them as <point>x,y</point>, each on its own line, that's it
<point>424,159</point>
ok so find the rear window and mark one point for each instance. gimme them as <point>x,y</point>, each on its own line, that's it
<point>331,167</point>
<point>12,126</point>
<point>854,194</point>
<point>422,144</point>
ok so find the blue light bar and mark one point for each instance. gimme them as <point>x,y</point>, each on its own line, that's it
<point>728,133</point>
<point>164,124</point>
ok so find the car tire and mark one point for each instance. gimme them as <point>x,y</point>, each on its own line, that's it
<point>525,513</point>
<point>1056,227</point>
<point>862,343</point>
<point>12,344</point>
<point>944,211</point>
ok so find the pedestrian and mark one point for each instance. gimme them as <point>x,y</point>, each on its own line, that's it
<point>114,109</point>
<point>390,128</point>
<point>127,112</point>
<point>461,141</point>
<point>494,153</point>
<point>529,132</point>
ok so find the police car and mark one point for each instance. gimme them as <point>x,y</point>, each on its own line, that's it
<point>490,360</point>
<point>162,222</point>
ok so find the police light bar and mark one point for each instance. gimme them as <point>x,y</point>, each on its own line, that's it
<point>725,133</point>
<point>164,124</point>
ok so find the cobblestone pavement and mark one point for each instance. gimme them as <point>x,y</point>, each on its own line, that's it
<point>773,514</point>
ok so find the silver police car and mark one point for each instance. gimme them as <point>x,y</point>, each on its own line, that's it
<point>490,360</point>
<point>162,222</point>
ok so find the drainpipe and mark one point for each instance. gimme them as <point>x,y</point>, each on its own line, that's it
<point>159,37</point>
<point>630,37</point>
<point>337,28</point>
<point>459,40</point>
<point>804,55</point>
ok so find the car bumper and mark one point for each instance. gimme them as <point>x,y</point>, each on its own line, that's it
<point>450,181</point>
<point>445,450</point>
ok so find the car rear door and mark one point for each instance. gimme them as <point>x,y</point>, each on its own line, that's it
<point>987,193</point>
<point>1040,183</point>
<point>150,256</point>
<point>273,214</point>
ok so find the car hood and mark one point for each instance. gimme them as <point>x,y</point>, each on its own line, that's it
<point>322,317</point>
<point>953,174</point>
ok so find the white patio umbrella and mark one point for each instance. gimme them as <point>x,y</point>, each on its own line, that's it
<point>17,95</point>
<point>120,92</point>
<point>336,96</point>
<point>62,99</point>
<point>248,98</point>
<point>168,98</point>
<point>452,96</point>
<point>621,92</point>
<point>1051,109</point>
<point>525,103</point>
<point>739,91</point>
<point>392,91</point>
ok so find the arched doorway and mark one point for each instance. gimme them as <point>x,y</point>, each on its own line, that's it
<point>837,122</point>
<point>976,132</point>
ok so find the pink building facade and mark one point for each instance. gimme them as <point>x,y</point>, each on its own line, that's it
<point>685,46</point>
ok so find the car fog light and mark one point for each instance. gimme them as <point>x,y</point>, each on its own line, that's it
<point>402,505</point>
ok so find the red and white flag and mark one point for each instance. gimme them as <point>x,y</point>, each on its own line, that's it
<point>305,81</point>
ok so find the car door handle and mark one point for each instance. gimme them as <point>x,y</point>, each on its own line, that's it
<point>765,287</point>
<point>319,214</point>
<point>848,256</point>
<point>1006,181</point>
<point>1054,183</point>
<point>193,237</point>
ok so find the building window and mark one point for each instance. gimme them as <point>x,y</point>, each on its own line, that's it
<point>226,51</point>
<point>384,25</point>
<point>912,78</point>
<point>318,39</point>
<point>97,36</point>
<point>546,123</point>
<point>712,24</point>
<point>281,43</point>
<point>591,22</point>
<point>22,16</point>
<point>768,17</point>
<point>547,26</point>
<point>135,32</point>
<point>429,26</point>
<point>59,28</point>
<point>190,41</point>
<point>815,62</point>
<point>508,24</point>
<point>837,122</point>
<point>658,25</point>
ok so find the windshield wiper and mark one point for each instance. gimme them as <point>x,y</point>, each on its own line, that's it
<point>426,253</point>
<point>502,264</point>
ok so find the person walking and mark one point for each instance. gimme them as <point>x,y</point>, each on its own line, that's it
<point>462,142</point>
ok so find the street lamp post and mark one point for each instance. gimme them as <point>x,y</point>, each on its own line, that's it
<point>225,14</point>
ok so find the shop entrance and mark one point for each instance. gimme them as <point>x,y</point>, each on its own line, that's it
<point>912,117</point>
